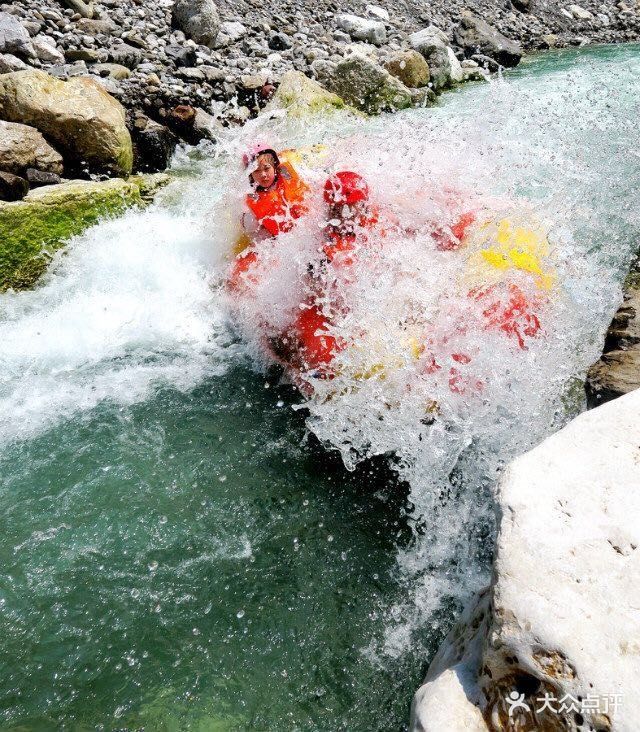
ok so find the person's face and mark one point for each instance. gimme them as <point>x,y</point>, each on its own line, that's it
<point>265,172</point>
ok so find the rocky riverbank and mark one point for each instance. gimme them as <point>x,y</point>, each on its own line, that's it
<point>191,65</point>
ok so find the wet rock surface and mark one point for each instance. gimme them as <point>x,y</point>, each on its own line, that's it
<point>618,370</point>
<point>551,644</point>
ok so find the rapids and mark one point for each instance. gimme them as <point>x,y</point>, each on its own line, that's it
<point>177,551</point>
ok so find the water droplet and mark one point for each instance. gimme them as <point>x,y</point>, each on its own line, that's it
<point>153,566</point>
<point>329,538</point>
<point>305,502</point>
<point>222,478</point>
<point>343,556</point>
<point>196,631</point>
<point>163,519</point>
<point>280,403</point>
<point>240,614</point>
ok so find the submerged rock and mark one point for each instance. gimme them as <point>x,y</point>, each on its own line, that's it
<point>300,95</point>
<point>31,230</point>
<point>560,619</point>
<point>84,121</point>
<point>475,35</point>
<point>23,147</point>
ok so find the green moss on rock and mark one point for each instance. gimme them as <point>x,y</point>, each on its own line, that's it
<point>31,230</point>
<point>300,95</point>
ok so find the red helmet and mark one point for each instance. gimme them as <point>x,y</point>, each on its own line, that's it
<point>346,188</point>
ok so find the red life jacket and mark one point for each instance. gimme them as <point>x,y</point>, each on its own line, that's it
<point>277,208</point>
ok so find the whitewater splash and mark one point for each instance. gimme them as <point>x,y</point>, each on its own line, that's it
<point>140,302</point>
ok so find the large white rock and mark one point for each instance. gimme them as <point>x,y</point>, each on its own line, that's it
<point>563,616</point>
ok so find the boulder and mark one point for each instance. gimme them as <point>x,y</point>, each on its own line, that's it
<point>45,49</point>
<point>560,619</point>
<point>618,370</point>
<point>362,29</point>
<point>475,35</point>
<point>193,124</point>
<point>23,147</point>
<point>432,44</point>
<point>31,230</point>
<point>367,86</point>
<point>124,55</point>
<point>96,26</point>
<point>9,63</point>
<point>12,187</point>
<point>14,38</point>
<point>198,19</point>
<point>410,67</point>
<point>230,32</point>
<point>85,123</point>
<point>38,178</point>
<point>300,95</point>
<point>154,144</point>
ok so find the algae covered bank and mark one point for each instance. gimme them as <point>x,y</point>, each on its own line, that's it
<point>176,552</point>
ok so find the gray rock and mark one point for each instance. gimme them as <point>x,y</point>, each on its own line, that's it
<point>9,63</point>
<point>154,144</point>
<point>46,50</point>
<point>68,71</point>
<point>190,73</point>
<point>198,19</point>
<point>230,32</point>
<point>475,35</point>
<point>181,55</point>
<point>115,71</point>
<point>37,178</point>
<point>364,84</point>
<point>79,6</point>
<point>362,29</point>
<point>23,147</point>
<point>280,42</point>
<point>431,43</point>
<point>125,55</point>
<point>12,187</point>
<point>95,27</point>
<point>14,39</point>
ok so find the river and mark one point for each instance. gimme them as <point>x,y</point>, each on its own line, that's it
<point>177,551</point>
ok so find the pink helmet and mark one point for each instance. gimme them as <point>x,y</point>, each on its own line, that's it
<point>257,149</point>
